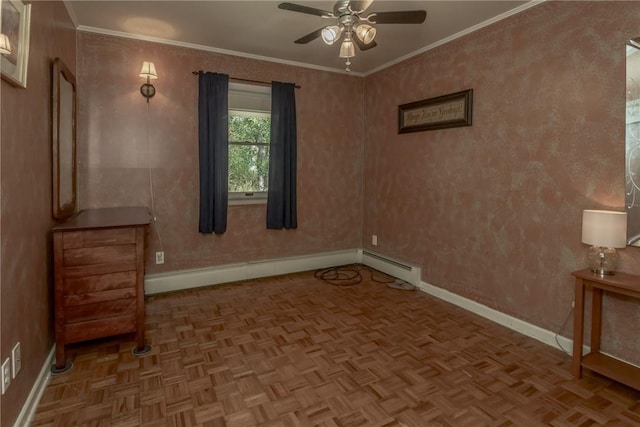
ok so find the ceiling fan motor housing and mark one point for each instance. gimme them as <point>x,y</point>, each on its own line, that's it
<point>349,20</point>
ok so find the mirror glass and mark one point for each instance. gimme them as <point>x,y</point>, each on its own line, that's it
<point>64,141</point>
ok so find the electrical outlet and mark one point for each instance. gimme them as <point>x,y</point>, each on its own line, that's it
<point>6,375</point>
<point>16,360</point>
<point>160,257</point>
<point>374,240</point>
<point>573,304</point>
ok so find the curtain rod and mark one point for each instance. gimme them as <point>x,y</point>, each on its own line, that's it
<point>238,79</point>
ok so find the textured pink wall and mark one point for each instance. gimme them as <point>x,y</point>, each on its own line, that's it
<point>25,184</point>
<point>113,154</point>
<point>492,212</point>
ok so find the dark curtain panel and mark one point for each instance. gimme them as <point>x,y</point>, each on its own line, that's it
<point>213,137</point>
<point>281,198</point>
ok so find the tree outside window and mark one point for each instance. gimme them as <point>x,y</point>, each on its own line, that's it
<point>249,134</point>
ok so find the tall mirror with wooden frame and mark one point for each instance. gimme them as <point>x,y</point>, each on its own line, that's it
<point>64,141</point>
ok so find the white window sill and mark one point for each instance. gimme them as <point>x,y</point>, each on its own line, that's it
<point>241,199</point>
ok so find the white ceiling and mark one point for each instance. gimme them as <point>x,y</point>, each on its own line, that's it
<point>260,29</point>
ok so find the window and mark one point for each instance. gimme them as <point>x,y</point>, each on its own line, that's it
<point>249,133</point>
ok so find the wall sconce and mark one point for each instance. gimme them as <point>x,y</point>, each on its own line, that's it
<point>605,231</point>
<point>5,46</point>
<point>149,71</point>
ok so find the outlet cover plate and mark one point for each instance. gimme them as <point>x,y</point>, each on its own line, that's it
<point>160,257</point>
<point>6,374</point>
<point>16,360</point>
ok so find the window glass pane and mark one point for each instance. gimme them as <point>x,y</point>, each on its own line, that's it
<point>249,134</point>
<point>248,168</point>
<point>247,126</point>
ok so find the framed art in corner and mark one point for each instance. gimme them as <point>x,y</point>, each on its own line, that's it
<point>15,17</point>
<point>441,112</point>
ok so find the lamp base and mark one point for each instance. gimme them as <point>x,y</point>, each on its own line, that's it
<point>602,260</point>
<point>602,273</point>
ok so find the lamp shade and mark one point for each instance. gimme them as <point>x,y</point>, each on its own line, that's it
<point>346,49</point>
<point>366,33</point>
<point>5,46</point>
<point>604,228</point>
<point>148,70</point>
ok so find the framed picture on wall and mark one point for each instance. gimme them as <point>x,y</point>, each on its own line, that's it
<point>15,20</point>
<point>447,111</point>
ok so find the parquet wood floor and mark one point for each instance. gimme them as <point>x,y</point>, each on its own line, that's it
<point>296,351</point>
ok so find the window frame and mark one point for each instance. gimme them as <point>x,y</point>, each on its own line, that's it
<point>250,100</point>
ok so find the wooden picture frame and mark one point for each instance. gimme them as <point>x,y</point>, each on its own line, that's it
<point>15,23</point>
<point>63,141</point>
<point>441,112</point>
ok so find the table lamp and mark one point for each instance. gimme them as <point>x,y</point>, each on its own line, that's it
<point>604,231</point>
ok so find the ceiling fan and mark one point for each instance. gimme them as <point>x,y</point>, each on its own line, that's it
<point>356,28</point>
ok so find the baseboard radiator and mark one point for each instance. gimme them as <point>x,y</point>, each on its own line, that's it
<point>393,267</point>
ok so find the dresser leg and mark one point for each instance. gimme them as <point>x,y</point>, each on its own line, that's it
<point>137,351</point>
<point>61,365</point>
<point>141,348</point>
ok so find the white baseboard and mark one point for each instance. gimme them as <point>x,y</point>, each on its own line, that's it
<point>547,337</point>
<point>186,279</point>
<point>31,404</point>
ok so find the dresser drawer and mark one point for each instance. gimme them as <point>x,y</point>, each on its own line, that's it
<point>100,310</point>
<point>76,332</point>
<point>93,297</point>
<point>99,283</point>
<point>100,255</point>
<point>93,238</point>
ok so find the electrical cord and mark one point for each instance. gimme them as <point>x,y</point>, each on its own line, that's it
<point>561,328</point>
<point>153,206</point>
<point>349,275</point>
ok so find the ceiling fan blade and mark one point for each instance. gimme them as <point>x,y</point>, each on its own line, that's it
<point>399,17</point>
<point>363,46</point>
<point>310,37</point>
<point>305,9</point>
<point>360,6</point>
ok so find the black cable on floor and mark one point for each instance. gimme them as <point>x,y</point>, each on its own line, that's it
<point>349,275</point>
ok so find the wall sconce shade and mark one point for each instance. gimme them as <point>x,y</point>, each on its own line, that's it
<point>605,231</point>
<point>5,45</point>
<point>148,71</point>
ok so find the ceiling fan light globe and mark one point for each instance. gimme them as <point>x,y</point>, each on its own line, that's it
<point>366,33</point>
<point>331,33</point>
<point>346,49</point>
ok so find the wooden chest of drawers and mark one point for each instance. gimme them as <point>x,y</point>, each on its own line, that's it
<point>99,277</point>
